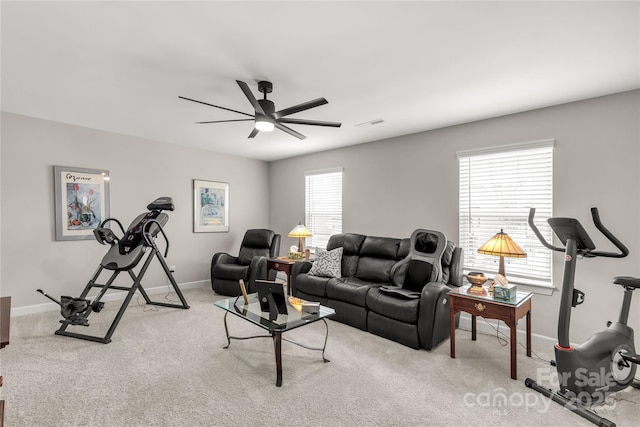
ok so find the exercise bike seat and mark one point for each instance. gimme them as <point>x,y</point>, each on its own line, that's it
<point>627,281</point>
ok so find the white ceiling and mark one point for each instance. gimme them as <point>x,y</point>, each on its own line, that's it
<point>120,66</point>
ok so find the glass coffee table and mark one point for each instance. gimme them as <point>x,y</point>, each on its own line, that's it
<point>275,326</point>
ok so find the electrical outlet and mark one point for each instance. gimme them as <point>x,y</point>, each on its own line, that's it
<point>172,268</point>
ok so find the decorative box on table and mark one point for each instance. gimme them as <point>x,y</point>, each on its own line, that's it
<point>504,292</point>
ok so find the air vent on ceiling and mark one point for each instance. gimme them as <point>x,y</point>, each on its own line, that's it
<point>371,123</point>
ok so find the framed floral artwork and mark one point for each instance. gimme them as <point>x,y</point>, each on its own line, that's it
<point>81,201</point>
<point>210,206</point>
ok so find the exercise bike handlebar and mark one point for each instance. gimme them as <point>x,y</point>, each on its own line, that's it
<point>613,239</point>
<point>532,212</point>
<point>623,251</point>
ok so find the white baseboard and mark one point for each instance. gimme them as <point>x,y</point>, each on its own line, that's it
<point>489,327</point>
<point>114,296</point>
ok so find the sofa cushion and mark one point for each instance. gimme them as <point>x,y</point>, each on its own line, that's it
<point>245,256</point>
<point>256,242</point>
<point>230,271</point>
<point>402,309</point>
<point>349,314</point>
<point>327,263</point>
<point>404,248</point>
<point>351,290</point>
<point>447,257</point>
<point>375,269</point>
<point>380,247</point>
<point>351,244</point>
<point>312,285</point>
<point>404,333</point>
<point>377,256</point>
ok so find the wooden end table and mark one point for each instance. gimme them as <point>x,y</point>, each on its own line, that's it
<point>489,308</point>
<point>285,265</point>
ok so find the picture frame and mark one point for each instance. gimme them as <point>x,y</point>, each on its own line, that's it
<point>81,201</point>
<point>210,206</point>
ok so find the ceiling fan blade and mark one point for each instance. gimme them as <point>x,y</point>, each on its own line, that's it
<point>217,106</point>
<point>225,121</point>
<point>253,133</point>
<point>310,122</point>
<point>300,107</point>
<point>252,99</point>
<point>289,131</point>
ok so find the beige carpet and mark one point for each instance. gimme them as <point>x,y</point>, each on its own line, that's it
<point>167,367</point>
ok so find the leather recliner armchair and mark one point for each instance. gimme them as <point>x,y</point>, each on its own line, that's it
<point>251,263</point>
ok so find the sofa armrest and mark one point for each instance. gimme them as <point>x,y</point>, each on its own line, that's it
<point>300,267</point>
<point>257,271</point>
<point>433,321</point>
<point>222,258</point>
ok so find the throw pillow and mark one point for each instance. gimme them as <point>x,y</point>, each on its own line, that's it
<point>327,263</point>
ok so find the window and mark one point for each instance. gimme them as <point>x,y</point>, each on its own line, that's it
<point>323,205</point>
<point>497,188</point>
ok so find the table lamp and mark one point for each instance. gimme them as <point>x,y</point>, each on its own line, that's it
<point>300,231</point>
<point>501,245</point>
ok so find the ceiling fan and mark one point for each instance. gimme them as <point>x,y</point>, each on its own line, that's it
<point>266,117</point>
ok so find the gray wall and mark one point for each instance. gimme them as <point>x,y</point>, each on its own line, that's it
<point>141,170</point>
<point>393,186</point>
<point>390,188</point>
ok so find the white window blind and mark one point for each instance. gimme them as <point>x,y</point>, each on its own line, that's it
<point>497,188</point>
<point>323,205</point>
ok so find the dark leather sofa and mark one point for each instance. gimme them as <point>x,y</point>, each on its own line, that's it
<point>374,293</point>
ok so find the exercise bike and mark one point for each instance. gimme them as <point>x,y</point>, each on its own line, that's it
<point>607,361</point>
<point>124,254</point>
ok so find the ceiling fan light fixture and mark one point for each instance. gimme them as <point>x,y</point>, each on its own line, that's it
<point>266,118</point>
<point>263,124</point>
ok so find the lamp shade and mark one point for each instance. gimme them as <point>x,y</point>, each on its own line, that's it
<point>501,245</point>
<point>299,231</point>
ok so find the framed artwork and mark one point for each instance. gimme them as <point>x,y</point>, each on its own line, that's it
<point>210,206</point>
<point>81,201</point>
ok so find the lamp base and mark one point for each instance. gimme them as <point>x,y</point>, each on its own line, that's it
<point>477,290</point>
